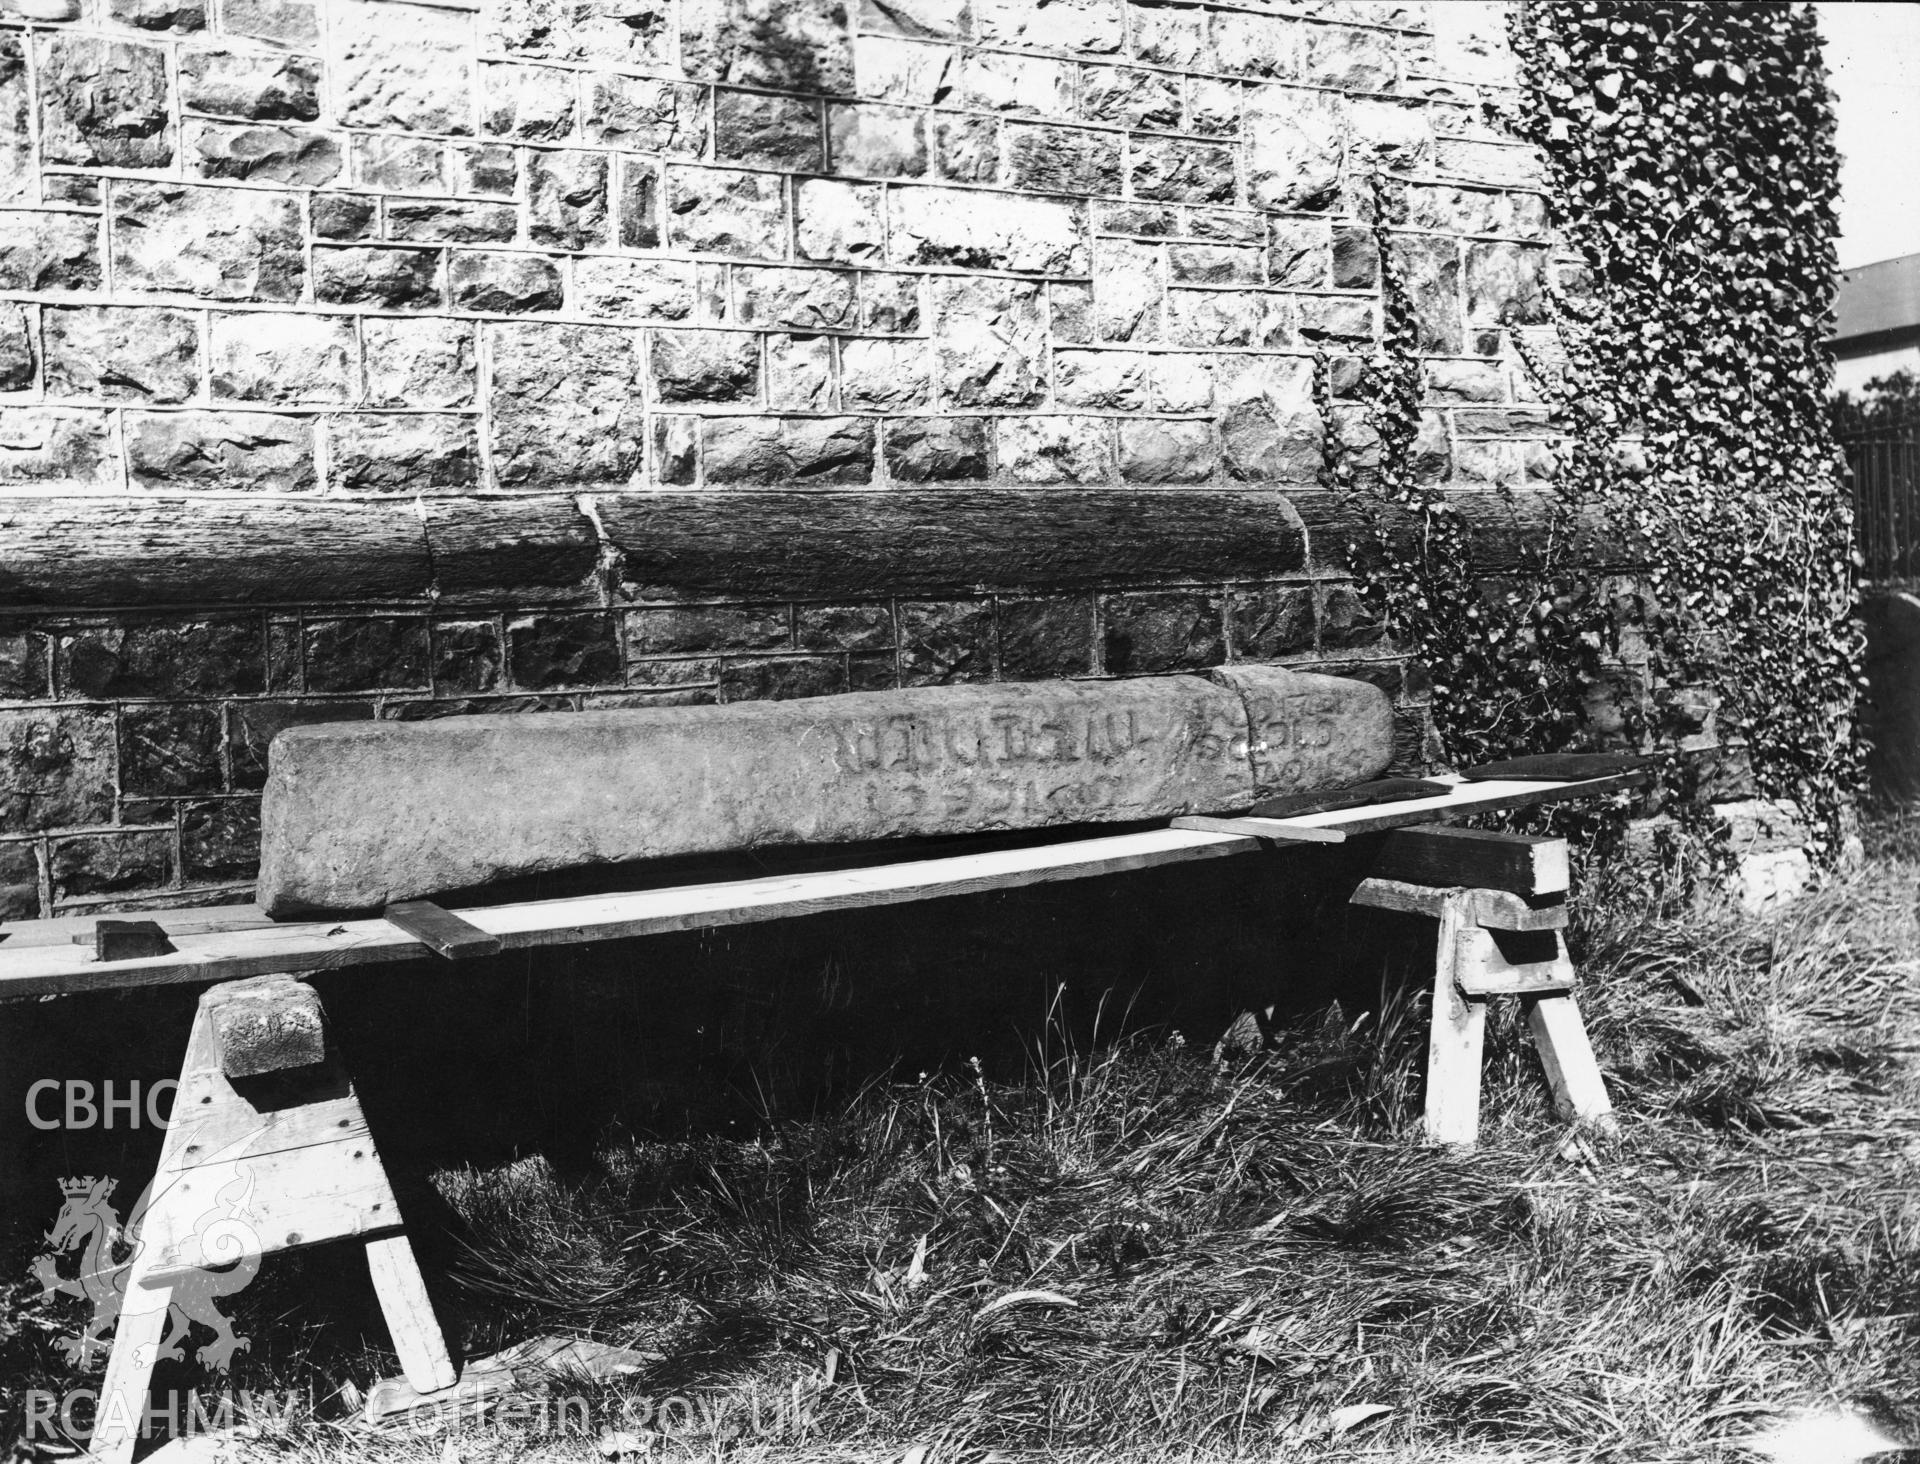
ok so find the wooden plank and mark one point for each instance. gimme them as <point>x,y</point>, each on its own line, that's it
<point>1465,798</point>
<point>409,1313</point>
<point>1483,970</point>
<point>1277,830</point>
<point>1560,1036</point>
<point>331,945</point>
<point>1489,909</point>
<point>442,931</point>
<point>1454,1040</point>
<point>913,541</point>
<point>78,929</point>
<point>1521,864</point>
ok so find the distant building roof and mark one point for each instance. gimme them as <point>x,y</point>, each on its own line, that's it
<point>1878,305</point>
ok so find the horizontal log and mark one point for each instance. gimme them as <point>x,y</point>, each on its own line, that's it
<point>800,545</point>
<point>89,552</point>
<point>1509,531</point>
<point>520,550</point>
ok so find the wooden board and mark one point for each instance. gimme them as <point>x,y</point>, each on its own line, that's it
<point>222,955</point>
<point>1261,828</point>
<point>442,931</point>
<point>1521,864</point>
<point>1489,909</point>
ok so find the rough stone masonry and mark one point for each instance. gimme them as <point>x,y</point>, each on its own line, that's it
<point>368,359</point>
<point>357,816</point>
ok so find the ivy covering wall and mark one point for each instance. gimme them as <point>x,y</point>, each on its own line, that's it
<point>1692,169</point>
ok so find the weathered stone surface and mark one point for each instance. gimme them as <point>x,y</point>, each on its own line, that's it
<point>991,341</point>
<point>567,203</point>
<point>162,658</point>
<point>160,15</point>
<point>726,211</point>
<point>1107,380</point>
<point>1229,318</point>
<point>267,1025</point>
<point>1055,449</point>
<point>873,140</point>
<point>358,815</point>
<point>1030,85</point>
<point>485,167</point>
<point>566,405</point>
<point>1167,452</point>
<point>884,375</point>
<point>1168,630</point>
<point>1129,282</point>
<point>52,447</point>
<point>16,349</point>
<point>235,451</point>
<point>705,365</point>
<point>788,449</point>
<point>450,221</point>
<point>1348,59</point>
<point>767,130</point>
<point>124,354</point>
<point>1130,98</point>
<point>18,175</point>
<point>1047,159</point>
<point>630,32</point>
<point>264,154</point>
<point>1296,140</point>
<point>1249,44</point>
<point>265,356</point>
<point>282,22</point>
<point>647,115</point>
<point>949,226</point>
<point>805,299</point>
<point>1388,134</point>
<point>633,289</point>
<point>1311,731</point>
<point>1269,430</point>
<point>401,164</point>
<point>44,250</point>
<point>838,221</point>
<point>411,453</point>
<point>637,197</point>
<point>401,66</point>
<point>783,45</point>
<point>531,102</point>
<point>799,373</point>
<point>936,449</point>
<point>1270,620</point>
<point>260,86</point>
<point>56,768</point>
<point>1093,26</point>
<point>1186,172</point>
<point>1430,268</point>
<point>222,243</point>
<point>344,215</point>
<point>19,882</point>
<point>400,279</point>
<point>890,303</point>
<point>103,102</point>
<point>1172,35</point>
<point>504,284</point>
<point>967,147</point>
<point>1183,383</point>
<point>109,864</point>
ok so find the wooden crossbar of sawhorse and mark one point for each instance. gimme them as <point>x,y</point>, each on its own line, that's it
<point>267,1150</point>
<point>1491,942</point>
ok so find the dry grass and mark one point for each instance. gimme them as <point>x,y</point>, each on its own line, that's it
<point>1148,1251</point>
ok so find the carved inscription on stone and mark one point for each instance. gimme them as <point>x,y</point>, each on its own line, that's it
<point>357,814</point>
<point>1311,731</point>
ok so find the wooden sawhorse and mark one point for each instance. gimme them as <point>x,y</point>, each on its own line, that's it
<point>267,1150</point>
<point>1500,904</point>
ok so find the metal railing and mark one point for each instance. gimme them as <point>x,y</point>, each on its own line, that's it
<point>1883,454</point>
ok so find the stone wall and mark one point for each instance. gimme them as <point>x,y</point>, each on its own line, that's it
<point>362,359</point>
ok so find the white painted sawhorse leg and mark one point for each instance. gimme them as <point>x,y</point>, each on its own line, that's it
<point>267,1150</point>
<point>1492,943</point>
